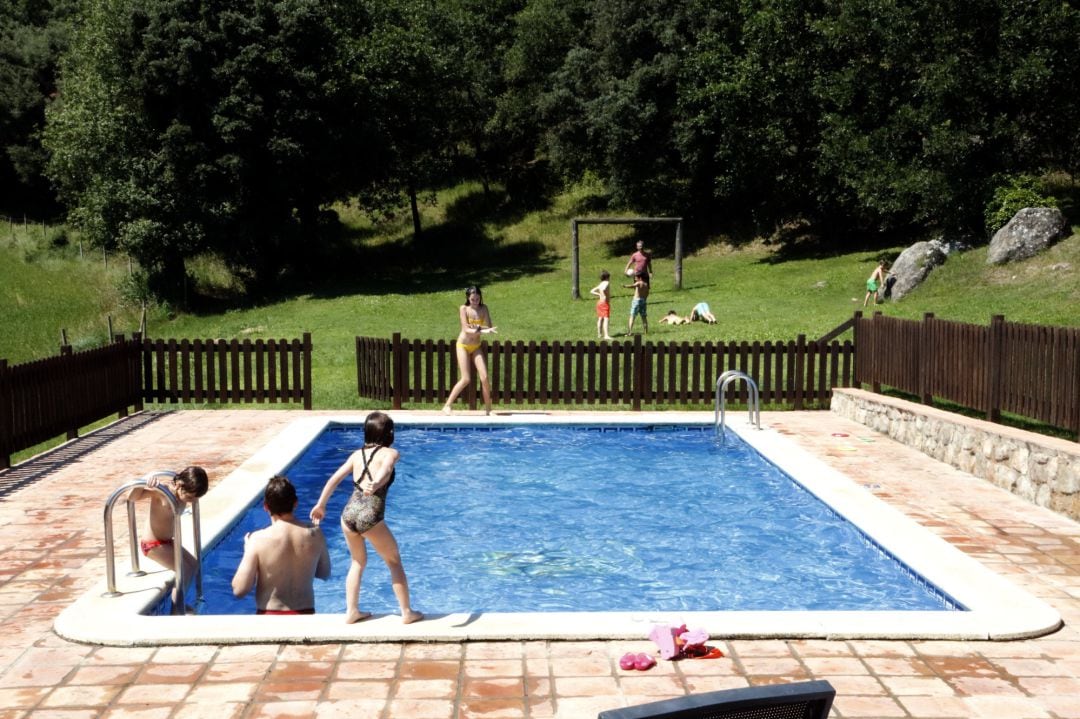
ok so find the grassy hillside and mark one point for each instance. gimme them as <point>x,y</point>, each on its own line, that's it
<point>45,287</point>
<point>380,280</point>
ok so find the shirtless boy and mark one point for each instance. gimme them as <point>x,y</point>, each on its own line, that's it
<point>157,543</point>
<point>282,561</point>
<point>602,292</point>
<point>638,306</point>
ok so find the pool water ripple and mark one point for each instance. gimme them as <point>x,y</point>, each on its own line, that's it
<point>543,518</point>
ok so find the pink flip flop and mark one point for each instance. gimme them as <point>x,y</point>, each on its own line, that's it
<point>628,661</point>
<point>643,662</point>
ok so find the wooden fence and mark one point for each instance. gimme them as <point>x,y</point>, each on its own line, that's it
<point>227,371</point>
<point>42,399</point>
<point>1028,370</point>
<point>794,373</point>
<point>45,398</point>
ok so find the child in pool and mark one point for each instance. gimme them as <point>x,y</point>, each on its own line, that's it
<point>157,538</point>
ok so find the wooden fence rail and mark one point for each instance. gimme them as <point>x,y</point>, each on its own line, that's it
<point>1028,370</point>
<point>227,371</point>
<point>795,373</point>
<point>42,399</point>
<point>57,395</point>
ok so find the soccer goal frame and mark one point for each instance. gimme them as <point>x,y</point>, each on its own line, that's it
<point>575,268</point>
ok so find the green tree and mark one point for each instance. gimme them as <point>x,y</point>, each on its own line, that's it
<point>217,125</point>
<point>534,107</point>
<point>924,103</point>
<point>747,123</point>
<point>478,35</point>
<point>612,101</point>
<point>33,34</point>
<point>414,78</point>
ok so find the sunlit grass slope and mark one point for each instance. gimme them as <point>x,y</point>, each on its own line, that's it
<point>381,280</point>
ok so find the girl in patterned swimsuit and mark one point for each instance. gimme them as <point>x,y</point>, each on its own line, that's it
<point>372,470</point>
<point>475,321</point>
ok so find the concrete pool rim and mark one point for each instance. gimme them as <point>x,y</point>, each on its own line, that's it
<point>997,609</point>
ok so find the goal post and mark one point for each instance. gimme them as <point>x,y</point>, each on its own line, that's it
<point>575,269</point>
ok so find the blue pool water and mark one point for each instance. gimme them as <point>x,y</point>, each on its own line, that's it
<point>590,519</point>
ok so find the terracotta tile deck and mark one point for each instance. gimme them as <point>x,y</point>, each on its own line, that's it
<point>52,551</point>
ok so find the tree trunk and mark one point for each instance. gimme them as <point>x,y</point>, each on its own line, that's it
<point>415,210</point>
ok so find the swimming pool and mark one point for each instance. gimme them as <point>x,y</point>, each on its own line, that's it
<point>591,518</point>
<point>995,607</point>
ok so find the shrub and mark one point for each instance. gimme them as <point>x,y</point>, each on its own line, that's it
<point>1013,194</point>
<point>134,289</point>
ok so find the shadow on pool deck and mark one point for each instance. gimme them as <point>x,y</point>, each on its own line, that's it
<point>41,465</point>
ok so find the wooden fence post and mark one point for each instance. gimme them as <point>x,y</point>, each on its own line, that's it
<point>307,369</point>
<point>996,358</point>
<point>800,370</point>
<point>678,255</point>
<point>120,344</point>
<point>925,358</point>
<point>72,431</point>
<point>639,374</point>
<point>5,415</point>
<point>875,382</point>
<point>856,341</point>
<point>135,378</point>
<point>397,368</point>
<point>575,291</point>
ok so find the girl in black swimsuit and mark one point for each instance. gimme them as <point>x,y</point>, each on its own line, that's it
<point>372,470</point>
<point>364,511</point>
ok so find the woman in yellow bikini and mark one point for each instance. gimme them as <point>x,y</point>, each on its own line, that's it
<point>475,321</point>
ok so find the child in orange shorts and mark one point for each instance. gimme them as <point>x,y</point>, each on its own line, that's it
<point>603,305</point>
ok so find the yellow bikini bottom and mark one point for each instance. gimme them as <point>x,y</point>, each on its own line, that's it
<point>469,348</point>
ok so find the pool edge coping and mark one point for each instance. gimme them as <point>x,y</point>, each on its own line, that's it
<point>997,608</point>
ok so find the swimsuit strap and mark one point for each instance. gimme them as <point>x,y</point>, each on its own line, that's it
<point>367,470</point>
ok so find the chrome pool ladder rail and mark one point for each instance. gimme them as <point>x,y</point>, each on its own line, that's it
<point>722,382</point>
<point>133,537</point>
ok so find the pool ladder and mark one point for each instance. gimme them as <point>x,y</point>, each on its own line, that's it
<point>722,382</point>
<point>178,547</point>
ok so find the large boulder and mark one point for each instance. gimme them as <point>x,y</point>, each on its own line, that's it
<point>915,263</point>
<point>1029,232</point>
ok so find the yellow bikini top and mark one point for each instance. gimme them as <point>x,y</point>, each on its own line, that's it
<point>477,321</point>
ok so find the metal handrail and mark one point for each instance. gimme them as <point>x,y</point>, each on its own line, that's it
<point>178,549</point>
<point>722,382</point>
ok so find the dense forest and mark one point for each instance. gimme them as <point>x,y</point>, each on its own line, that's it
<point>170,128</point>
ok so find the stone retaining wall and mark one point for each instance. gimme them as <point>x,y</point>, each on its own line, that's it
<point>1043,470</point>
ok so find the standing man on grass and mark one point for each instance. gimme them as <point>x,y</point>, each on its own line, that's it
<point>640,261</point>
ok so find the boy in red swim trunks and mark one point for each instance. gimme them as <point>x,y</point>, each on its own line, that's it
<point>602,292</point>
<point>282,561</point>
<point>157,537</point>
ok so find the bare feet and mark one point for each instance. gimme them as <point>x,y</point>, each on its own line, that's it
<point>411,616</point>
<point>446,409</point>
<point>357,617</point>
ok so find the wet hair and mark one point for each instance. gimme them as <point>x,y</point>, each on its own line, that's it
<point>280,495</point>
<point>671,312</point>
<point>473,289</point>
<point>193,480</point>
<point>604,275</point>
<point>644,276</point>
<point>379,429</point>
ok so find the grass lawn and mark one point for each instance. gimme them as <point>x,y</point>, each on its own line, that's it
<point>383,281</point>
